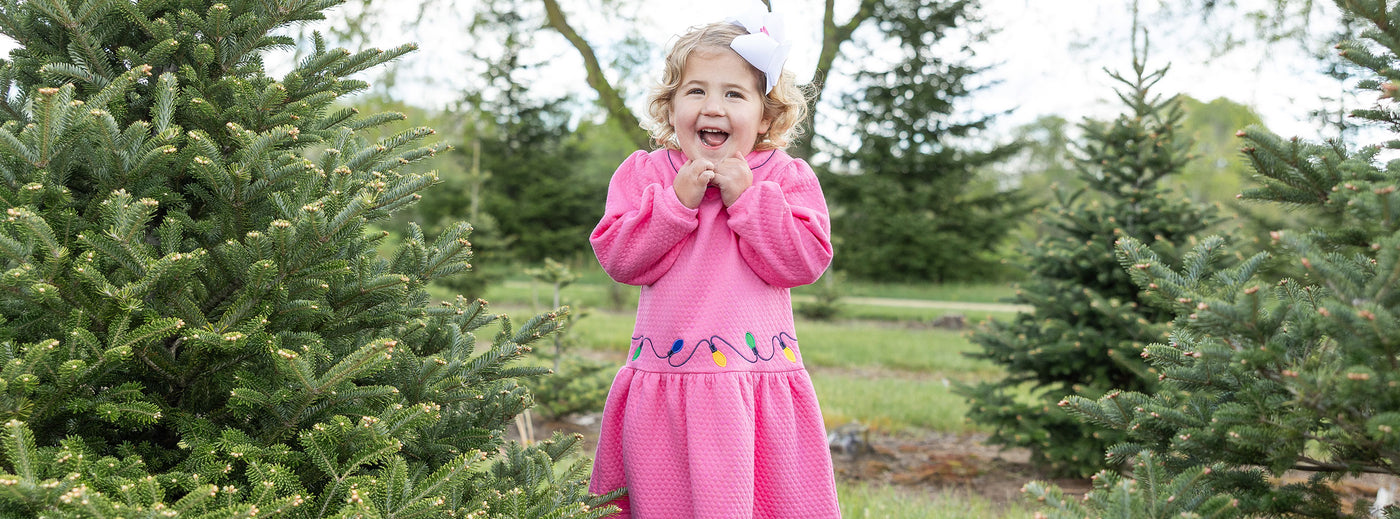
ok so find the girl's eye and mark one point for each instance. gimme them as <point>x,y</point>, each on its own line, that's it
<point>735,94</point>
<point>694,91</point>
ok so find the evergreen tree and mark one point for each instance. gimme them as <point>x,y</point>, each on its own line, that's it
<point>909,201</point>
<point>543,199</point>
<point>539,192</point>
<point>1088,324</point>
<point>195,320</point>
<point>1153,492</point>
<point>1262,375</point>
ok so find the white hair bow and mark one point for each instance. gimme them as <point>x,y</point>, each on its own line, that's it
<point>766,45</point>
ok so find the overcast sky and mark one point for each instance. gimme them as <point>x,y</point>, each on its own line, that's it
<point>1054,53</point>
<point>1049,56</point>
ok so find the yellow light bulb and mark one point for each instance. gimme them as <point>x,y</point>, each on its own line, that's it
<point>787,352</point>
<point>719,358</point>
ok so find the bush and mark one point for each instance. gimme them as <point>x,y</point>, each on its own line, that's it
<point>826,299</point>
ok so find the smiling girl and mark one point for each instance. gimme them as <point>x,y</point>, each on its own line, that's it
<point>713,414</point>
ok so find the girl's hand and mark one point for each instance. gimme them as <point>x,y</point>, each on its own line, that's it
<point>691,181</point>
<point>733,176</point>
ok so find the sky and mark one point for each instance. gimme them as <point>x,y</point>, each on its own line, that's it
<point>1054,53</point>
<point>1048,56</point>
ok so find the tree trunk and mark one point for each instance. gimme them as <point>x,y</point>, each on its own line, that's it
<point>832,38</point>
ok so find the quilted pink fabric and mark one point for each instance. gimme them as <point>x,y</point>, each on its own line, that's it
<point>713,416</point>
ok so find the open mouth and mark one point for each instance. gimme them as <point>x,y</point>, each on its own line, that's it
<point>713,138</point>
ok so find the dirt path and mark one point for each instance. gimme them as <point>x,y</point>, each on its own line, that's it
<point>940,305</point>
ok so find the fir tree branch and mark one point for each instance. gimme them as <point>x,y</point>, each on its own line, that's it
<point>1311,465</point>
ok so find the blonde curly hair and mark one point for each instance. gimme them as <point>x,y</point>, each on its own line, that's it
<point>785,106</point>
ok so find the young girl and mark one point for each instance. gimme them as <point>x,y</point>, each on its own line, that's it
<point>713,415</point>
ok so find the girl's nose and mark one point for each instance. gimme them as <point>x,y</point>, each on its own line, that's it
<point>712,107</point>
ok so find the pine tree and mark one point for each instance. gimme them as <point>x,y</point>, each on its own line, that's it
<point>909,193</point>
<point>1088,324</point>
<point>543,196</point>
<point>1261,375</point>
<point>1148,494</point>
<point>195,320</point>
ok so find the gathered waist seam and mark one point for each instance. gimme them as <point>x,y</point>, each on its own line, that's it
<point>643,369</point>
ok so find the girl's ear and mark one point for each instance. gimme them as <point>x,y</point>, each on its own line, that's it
<point>764,124</point>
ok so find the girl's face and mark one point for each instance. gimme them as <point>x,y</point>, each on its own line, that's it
<point>718,110</point>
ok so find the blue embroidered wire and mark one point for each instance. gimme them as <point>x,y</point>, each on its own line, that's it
<point>670,355</point>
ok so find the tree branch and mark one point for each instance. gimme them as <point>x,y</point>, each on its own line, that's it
<point>607,95</point>
<point>1311,465</point>
<point>832,38</point>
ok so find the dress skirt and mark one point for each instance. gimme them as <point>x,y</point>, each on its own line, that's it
<point>730,444</point>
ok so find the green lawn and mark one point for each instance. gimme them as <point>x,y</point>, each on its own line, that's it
<point>890,403</point>
<point>861,501</point>
<point>932,351</point>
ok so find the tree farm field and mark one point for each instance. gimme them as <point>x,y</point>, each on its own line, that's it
<point>884,375</point>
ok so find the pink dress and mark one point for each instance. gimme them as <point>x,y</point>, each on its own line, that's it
<point>713,416</point>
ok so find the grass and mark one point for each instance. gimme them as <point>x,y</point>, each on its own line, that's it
<point>602,331</point>
<point>908,371</point>
<point>532,293</point>
<point>862,501</point>
<point>857,343</point>
<point>891,404</point>
<point>593,289</point>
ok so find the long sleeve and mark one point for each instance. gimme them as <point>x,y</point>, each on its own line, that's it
<point>643,225</point>
<point>783,227</point>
